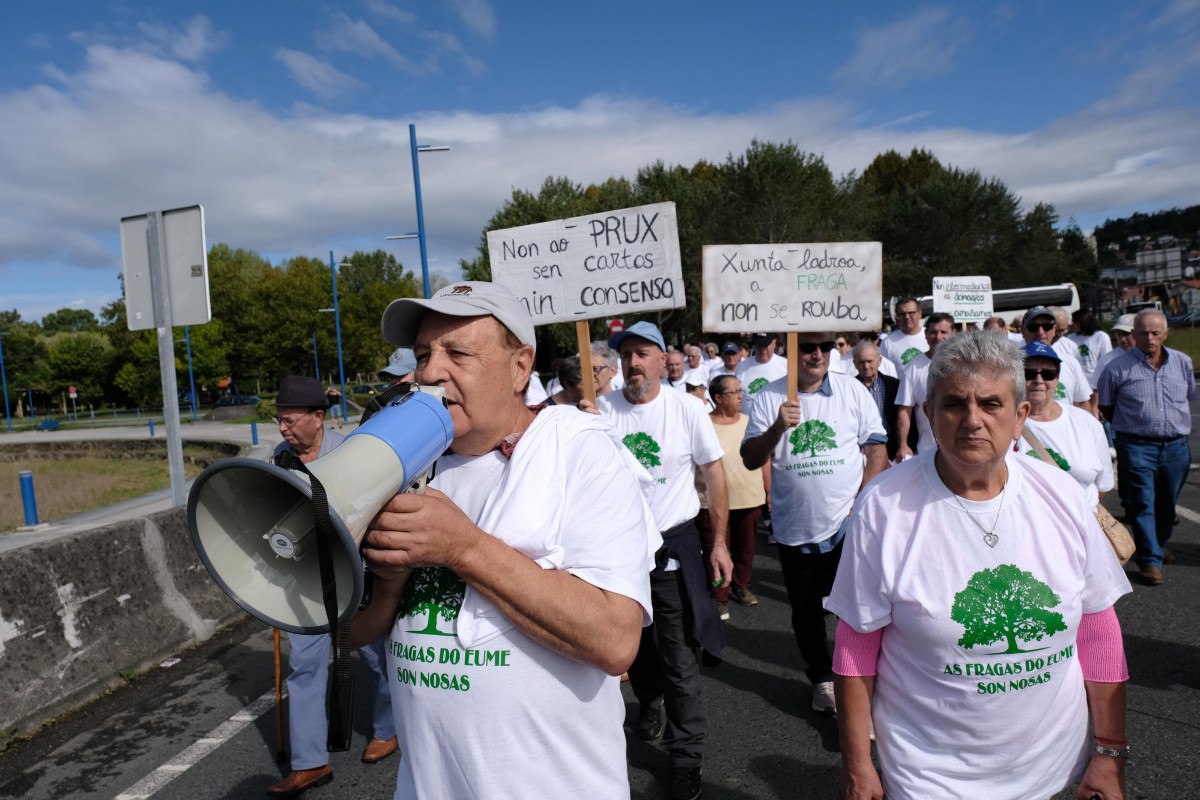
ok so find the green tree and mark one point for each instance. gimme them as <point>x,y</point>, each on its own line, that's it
<point>1006,604</point>
<point>435,591</point>
<point>1054,454</point>
<point>812,435</point>
<point>70,319</point>
<point>644,449</point>
<point>82,360</point>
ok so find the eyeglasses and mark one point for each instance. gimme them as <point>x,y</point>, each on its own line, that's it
<point>811,347</point>
<point>718,394</point>
<point>598,370</point>
<point>1045,326</point>
<point>908,313</point>
<point>290,422</point>
<point>1048,374</point>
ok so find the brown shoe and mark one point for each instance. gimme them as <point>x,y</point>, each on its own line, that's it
<point>379,749</point>
<point>1168,556</point>
<point>300,781</point>
<point>1151,575</point>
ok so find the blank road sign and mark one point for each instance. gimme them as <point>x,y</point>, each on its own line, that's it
<point>186,268</point>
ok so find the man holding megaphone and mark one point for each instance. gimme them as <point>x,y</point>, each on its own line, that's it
<point>300,415</point>
<point>512,593</point>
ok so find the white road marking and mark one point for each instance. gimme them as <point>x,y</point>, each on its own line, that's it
<point>1188,514</point>
<point>168,772</point>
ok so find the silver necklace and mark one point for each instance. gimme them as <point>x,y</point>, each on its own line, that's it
<point>989,537</point>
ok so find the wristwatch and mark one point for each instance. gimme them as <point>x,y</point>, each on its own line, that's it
<point>1110,752</point>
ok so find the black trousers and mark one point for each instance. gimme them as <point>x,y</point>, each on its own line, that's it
<point>808,578</point>
<point>667,668</point>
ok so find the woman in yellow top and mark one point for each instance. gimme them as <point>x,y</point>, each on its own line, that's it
<point>747,493</point>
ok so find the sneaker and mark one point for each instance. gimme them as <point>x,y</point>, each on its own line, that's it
<point>652,720</point>
<point>723,611</point>
<point>771,539</point>
<point>685,783</point>
<point>822,700</point>
<point>743,595</point>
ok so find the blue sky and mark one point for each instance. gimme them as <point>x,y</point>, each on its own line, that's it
<point>289,121</point>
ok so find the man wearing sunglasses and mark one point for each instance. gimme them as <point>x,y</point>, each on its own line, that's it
<point>907,340</point>
<point>755,373</point>
<point>824,446</point>
<point>300,415</point>
<point>1039,325</point>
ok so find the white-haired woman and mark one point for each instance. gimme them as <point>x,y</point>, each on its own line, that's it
<point>976,598</point>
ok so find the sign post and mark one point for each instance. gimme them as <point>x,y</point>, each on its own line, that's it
<point>71,391</point>
<point>831,286</point>
<point>967,298</point>
<point>598,265</point>
<point>166,284</point>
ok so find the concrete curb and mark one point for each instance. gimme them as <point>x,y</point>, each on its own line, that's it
<point>79,610</point>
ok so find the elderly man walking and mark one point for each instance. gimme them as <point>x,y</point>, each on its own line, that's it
<point>1145,392</point>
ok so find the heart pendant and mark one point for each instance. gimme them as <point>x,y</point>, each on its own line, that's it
<point>990,539</point>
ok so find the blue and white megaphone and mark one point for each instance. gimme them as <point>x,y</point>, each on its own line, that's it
<point>252,522</point>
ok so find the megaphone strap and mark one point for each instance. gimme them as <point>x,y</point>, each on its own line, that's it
<point>341,705</point>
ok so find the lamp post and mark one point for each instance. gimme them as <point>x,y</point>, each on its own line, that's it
<point>420,234</point>
<point>4,382</point>
<point>316,365</point>
<point>337,321</point>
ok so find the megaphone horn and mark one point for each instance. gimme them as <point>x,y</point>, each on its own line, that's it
<point>252,522</point>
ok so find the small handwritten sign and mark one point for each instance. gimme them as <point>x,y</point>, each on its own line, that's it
<point>599,265</point>
<point>834,286</point>
<point>967,298</point>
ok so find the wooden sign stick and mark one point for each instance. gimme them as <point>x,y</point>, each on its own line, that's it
<point>793,359</point>
<point>584,335</point>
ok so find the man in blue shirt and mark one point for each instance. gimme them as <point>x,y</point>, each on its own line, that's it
<point>1145,392</point>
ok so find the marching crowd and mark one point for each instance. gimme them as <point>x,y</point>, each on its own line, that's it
<point>933,488</point>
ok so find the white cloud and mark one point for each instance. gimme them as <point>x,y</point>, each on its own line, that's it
<point>193,43</point>
<point>917,47</point>
<point>450,43</point>
<point>477,15</point>
<point>316,75</point>
<point>356,36</point>
<point>385,10</point>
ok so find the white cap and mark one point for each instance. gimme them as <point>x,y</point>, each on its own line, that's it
<point>402,318</point>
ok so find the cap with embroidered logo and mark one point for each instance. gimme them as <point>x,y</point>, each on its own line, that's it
<point>402,318</point>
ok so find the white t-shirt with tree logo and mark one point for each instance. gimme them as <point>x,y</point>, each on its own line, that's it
<point>817,466</point>
<point>754,375</point>
<point>504,716</point>
<point>1077,443</point>
<point>670,435</point>
<point>914,381</point>
<point>901,348</point>
<point>978,691</point>
<point>1091,348</point>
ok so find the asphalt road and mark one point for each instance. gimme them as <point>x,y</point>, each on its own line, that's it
<point>183,731</point>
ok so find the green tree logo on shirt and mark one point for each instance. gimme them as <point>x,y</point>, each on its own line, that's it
<point>1084,350</point>
<point>1006,604</point>
<point>757,384</point>
<point>1061,392</point>
<point>644,449</point>
<point>909,354</point>
<point>1058,459</point>
<point>812,436</point>
<point>435,591</point>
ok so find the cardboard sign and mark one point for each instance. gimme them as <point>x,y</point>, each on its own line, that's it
<point>599,265</point>
<point>968,298</point>
<point>835,286</point>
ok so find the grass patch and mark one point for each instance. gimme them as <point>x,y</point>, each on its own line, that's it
<point>66,486</point>
<point>1186,340</point>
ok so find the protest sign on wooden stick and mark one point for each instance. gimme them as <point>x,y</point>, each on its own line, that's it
<point>599,265</point>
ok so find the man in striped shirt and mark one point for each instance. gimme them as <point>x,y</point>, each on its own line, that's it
<point>1145,392</point>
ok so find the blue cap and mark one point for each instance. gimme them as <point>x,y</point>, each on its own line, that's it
<point>1041,350</point>
<point>647,330</point>
<point>730,347</point>
<point>401,362</point>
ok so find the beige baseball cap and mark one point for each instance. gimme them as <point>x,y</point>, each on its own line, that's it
<point>402,318</point>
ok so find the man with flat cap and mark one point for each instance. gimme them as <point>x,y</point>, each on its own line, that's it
<point>300,414</point>
<point>512,594</point>
<point>671,435</point>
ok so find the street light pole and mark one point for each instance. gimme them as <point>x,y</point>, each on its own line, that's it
<point>4,381</point>
<point>316,365</point>
<point>187,336</point>
<point>337,321</point>
<point>420,234</point>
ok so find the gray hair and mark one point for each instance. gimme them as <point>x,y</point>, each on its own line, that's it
<point>971,352</point>
<point>1151,312</point>
<point>600,350</point>
<point>866,347</point>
